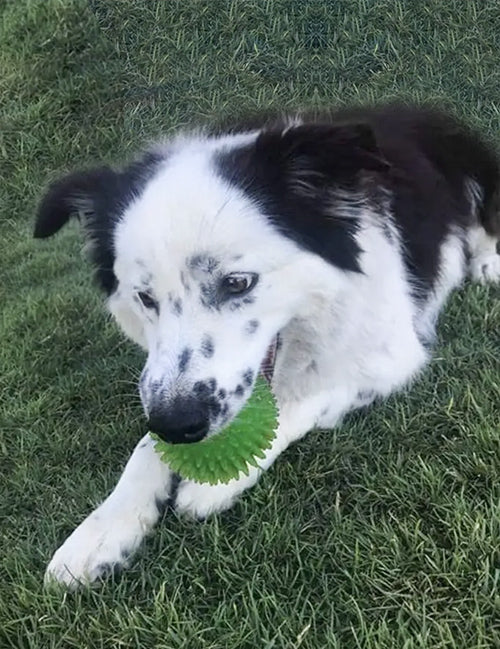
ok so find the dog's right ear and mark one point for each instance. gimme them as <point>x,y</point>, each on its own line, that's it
<point>87,195</point>
<point>96,198</point>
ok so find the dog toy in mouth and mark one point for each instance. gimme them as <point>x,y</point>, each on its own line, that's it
<point>227,454</point>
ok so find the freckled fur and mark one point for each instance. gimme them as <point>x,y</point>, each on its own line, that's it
<point>248,377</point>
<point>184,358</point>
<point>251,326</point>
<point>177,306</point>
<point>207,346</point>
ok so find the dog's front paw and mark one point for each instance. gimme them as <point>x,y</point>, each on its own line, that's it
<point>98,547</point>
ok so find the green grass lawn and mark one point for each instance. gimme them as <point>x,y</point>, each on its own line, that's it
<point>383,533</point>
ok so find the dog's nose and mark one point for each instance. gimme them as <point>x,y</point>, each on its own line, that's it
<point>182,422</point>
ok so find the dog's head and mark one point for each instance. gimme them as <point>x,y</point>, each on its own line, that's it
<point>208,247</point>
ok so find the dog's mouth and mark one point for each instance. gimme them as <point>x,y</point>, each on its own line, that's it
<point>267,365</point>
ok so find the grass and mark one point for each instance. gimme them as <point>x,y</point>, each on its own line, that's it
<point>382,534</point>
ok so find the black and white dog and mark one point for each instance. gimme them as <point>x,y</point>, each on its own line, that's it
<point>322,247</point>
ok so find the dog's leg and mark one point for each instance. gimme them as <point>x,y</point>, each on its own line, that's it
<point>296,419</point>
<point>111,534</point>
<point>485,260</point>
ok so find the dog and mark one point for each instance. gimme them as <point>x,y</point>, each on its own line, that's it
<point>318,250</point>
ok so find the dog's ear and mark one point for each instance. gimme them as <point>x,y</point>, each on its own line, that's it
<point>94,197</point>
<point>316,155</point>
<point>303,176</point>
<point>86,195</point>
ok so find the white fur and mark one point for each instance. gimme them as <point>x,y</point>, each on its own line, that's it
<point>346,337</point>
<point>451,274</point>
<point>485,261</point>
<point>116,528</point>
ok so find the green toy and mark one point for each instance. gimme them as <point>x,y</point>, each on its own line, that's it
<point>225,455</point>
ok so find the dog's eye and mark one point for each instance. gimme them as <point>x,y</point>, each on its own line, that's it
<point>238,283</point>
<point>147,301</point>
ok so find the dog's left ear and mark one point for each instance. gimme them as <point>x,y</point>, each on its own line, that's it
<point>319,154</point>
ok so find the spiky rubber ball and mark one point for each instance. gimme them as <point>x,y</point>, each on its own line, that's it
<point>224,456</point>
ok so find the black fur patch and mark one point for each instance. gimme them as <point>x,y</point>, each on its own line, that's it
<point>204,389</point>
<point>98,197</point>
<point>207,346</point>
<point>294,175</point>
<point>112,570</point>
<point>170,503</point>
<point>204,263</point>
<point>184,358</point>
<point>239,390</point>
<point>209,296</point>
<point>248,377</point>
<point>432,157</point>
<point>420,157</point>
<point>205,393</point>
<point>214,407</point>
<point>251,326</point>
<point>177,306</point>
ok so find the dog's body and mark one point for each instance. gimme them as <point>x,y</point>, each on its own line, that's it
<point>332,244</point>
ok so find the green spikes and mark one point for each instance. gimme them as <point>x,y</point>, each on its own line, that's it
<point>224,456</point>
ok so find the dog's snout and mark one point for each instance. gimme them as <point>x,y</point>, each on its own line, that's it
<point>184,421</point>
